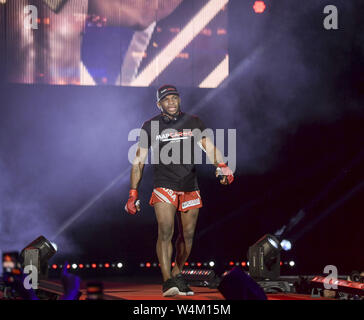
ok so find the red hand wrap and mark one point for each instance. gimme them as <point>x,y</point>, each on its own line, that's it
<point>226,171</point>
<point>130,205</point>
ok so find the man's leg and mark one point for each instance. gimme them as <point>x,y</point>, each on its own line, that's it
<point>186,225</point>
<point>165,213</point>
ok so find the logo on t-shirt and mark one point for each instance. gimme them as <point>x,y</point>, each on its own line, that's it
<point>174,136</point>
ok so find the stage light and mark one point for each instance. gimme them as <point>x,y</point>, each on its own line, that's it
<point>259,6</point>
<point>93,266</point>
<point>142,265</point>
<point>211,264</point>
<point>107,265</point>
<point>37,253</point>
<point>74,266</point>
<point>231,263</point>
<point>199,264</point>
<point>186,263</point>
<point>148,264</point>
<point>100,265</point>
<point>273,242</point>
<point>81,266</point>
<point>264,257</point>
<point>155,264</point>
<point>292,263</point>
<point>54,266</point>
<point>54,246</point>
<point>119,265</point>
<point>243,264</point>
<point>286,245</point>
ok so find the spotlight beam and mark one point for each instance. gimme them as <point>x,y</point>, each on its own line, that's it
<point>89,204</point>
<point>329,210</point>
<point>282,232</point>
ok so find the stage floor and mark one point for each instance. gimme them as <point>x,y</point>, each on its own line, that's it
<point>154,292</point>
<point>151,289</point>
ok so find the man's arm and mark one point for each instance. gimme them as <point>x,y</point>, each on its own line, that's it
<point>213,153</point>
<point>137,14</point>
<point>138,167</point>
<point>133,204</point>
<point>216,158</point>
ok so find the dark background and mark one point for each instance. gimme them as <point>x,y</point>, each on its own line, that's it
<point>295,96</point>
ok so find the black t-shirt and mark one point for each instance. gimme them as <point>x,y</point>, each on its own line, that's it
<point>174,150</point>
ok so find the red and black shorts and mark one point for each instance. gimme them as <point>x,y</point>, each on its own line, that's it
<point>183,201</point>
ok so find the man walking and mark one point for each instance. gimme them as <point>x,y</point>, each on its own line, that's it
<point>176,191</point>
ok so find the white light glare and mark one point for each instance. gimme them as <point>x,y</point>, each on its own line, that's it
<point>292,263</point>
<point>119,265</point>
<point>286,245</point>
<point>273,243</point>
<point>74,266</point>
<point>54,246</point>
<point>211,263</point>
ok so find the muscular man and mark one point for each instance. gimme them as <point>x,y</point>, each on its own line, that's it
<point>52,53</point>
<point>176,191</point>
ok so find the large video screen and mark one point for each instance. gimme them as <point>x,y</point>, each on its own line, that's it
<point>136,43</point>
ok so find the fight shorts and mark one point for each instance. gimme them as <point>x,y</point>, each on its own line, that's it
<point>183,201</point>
